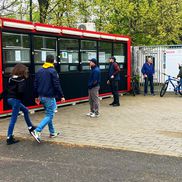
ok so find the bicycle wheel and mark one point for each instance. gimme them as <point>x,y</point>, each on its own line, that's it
<point>180,89</point>
<point>133,88</point>
<point>164,88</point>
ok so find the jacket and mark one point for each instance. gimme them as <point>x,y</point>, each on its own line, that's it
<point>148,69</point>
<point>47,83</point>
<point>180,72</point>
<point>94,78</point>
<point>16,87</point>
<point>114,70</point>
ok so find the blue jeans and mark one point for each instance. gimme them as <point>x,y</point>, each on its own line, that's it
<point>16,107</point>
<point>49,106</point>
<point>181,82</point>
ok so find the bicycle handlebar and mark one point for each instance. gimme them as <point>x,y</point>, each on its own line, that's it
<point>170,76</point>
<point>132,76</point>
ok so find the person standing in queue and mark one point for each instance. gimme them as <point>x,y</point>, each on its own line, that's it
<point>113,80</point>
<point>93,88</point>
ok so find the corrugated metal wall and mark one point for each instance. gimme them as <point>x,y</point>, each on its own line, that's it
<point>139,55</point>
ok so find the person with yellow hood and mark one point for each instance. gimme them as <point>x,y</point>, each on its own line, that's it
<point>47,87</point>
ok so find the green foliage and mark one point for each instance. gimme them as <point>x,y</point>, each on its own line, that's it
<point>148,22</point>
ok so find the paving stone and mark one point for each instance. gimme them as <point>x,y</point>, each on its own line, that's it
<point>143,124</point>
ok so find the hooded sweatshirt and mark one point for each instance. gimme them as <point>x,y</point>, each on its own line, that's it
<point>16,87</point>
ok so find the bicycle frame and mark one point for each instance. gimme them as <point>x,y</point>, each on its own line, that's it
<point>170,79</point>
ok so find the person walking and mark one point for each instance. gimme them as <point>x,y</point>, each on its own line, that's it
<point>15,92</point>
<point>47,88</point>
<point>93,88</point>
<point>148,72</point>
<point>113,80</point>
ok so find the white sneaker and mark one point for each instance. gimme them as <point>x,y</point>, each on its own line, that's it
<point>89,114</point>
<point>53,135</point>
<point>94,115</point>
<point>36,135</point>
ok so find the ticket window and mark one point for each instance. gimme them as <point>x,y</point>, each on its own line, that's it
<point>43,46</point>
<point>105,52</point>
<point>16,49</point>
<point>68,54</point>
<point>88,51</point>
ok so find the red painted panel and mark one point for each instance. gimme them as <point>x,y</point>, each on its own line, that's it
<point>129,64</point>
<point>1,79</point>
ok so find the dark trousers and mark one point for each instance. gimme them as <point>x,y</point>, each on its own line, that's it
<point>149,79</point>
<point>114,90</point>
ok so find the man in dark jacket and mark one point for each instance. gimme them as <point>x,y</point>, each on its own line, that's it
<point>47,88</point>
<point>148,72</point>
<point>93,88</point>
<point>180,75</point>
<point>113,80</point>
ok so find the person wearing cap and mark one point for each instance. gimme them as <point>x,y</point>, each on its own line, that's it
<point>93,88</point>
<point>113,80</point>
<point>47,87</point>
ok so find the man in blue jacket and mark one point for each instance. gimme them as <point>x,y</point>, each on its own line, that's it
<point>148,72</point>
<point>47,88</point>
<point>93,88</point>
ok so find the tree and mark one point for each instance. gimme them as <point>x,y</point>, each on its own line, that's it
<point>148,22</point>
<point>43,7</point>
<point>6,7</point>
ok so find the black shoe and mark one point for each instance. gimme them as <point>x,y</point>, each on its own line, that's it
<point>11,140</point>
<point>111,103</point>
<point>32,128</point>
<point>115,105</point>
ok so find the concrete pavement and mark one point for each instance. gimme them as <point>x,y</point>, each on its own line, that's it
<point>149,124</point>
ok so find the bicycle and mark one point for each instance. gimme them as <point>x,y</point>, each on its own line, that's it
<point>134,84</point>
<point>177,87</point>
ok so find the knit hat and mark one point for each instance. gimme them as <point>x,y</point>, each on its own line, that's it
<point>93,60</point>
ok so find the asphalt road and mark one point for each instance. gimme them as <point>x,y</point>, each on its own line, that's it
<point>29,161</point>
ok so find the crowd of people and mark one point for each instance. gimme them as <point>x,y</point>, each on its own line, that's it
<point>47,88</point>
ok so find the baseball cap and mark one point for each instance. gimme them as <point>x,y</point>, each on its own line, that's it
<point>112,57</point>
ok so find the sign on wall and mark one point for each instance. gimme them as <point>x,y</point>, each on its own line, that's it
<point>173,59</point>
